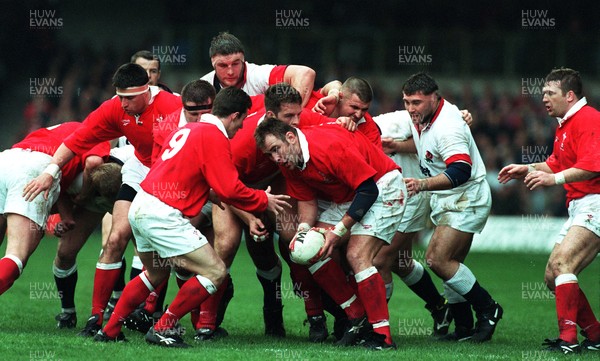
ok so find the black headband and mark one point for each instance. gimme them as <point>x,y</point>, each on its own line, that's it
<point>197,107</point>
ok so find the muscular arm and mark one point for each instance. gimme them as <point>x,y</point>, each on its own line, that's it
<point>307,212</point>
<point>548,179</point>
<point>393,146</point>
<point>302,78</point>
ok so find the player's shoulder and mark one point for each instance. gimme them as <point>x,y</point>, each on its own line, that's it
<point>209,77</point>
<point>397,124</point>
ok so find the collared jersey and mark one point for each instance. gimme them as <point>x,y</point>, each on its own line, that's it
<point>109,121</point>
<point>251,163</point>
<point>366,124</point>
<point>257,78</point>
<point>163,129</point>
<point>194,159</point>
<point>47,140</point>
<point>577,144</point>
<point>447,139</point>
<point>398,125</point>
<point>336,163</point>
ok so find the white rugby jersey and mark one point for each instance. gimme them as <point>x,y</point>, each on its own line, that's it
<point>257,78</point>
<point>398,125</point>
<point>447,139</point>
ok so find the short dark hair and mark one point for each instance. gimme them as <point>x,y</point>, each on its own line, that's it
<point>225,44</point>
<point>281,93</point>
<point>197,91</point>
<point>146,54</point>
<point>420,82</point>
<point>129,75</point>
<point>272,126</point>
<point>569,80</point>
<point>358,86</point>
<point>231,100</point>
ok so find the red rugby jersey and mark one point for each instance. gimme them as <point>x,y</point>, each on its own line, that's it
<point>339,161</point>
<point>577,144</point>
<point>196,158</point>
<point>47,140</point>
<point>110,121</point>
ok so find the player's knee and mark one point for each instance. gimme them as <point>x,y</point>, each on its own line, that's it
<point>226,247</point>
<point>217,272</point>
<point>115,246</point>
<point>64,260</point>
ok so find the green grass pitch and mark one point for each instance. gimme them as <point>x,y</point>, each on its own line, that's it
<point>27,326</point>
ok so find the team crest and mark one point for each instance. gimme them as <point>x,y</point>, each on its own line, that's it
<point>428,157</point>
<point>125,122</point>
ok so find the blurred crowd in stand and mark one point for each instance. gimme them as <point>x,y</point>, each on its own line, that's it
<point>509,127</point>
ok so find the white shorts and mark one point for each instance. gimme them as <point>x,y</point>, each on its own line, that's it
<point>583,212</point>
<point>133,173</point>
<point>159,227</point>
<point>383,218</point>
<point>415,215</point>
<point>466,210</point>
<point>19,167</point>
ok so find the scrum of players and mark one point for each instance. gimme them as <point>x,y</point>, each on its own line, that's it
<point>192,182</point>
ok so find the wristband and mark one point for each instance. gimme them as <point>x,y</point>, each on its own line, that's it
<point>339,229</point>
<point>53,170</point>
<point>303,227</point>
<point>559,178</point>
<point>530,168</point>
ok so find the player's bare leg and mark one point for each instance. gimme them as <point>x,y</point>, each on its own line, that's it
<point>2,228</point>
<point>360,252</point>
<point>210,273</point>
<point>65,266</point>
<point>227,229</point>
<point>577,250</point>
<point>118,289</point>
<point>397,257</point>
<point>108,267</point>
<point>23,237</point>
<point>445,255</point>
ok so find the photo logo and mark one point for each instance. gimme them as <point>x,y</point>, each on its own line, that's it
<point>287,290</point>
<point>535,222</point>
<point>537,20</point>
<point>532,87</point>
<point>43,355</point>
<point>291,19</point>
<point>44,291</point>
<point>537,356</point>
<point>44,87</point>
<point>168,190</point>
<point>44,20</point>
<point>405,258</point>
<point>169,54</point>
<point>413,327</point>
<point>289,355</point>
<point>413,55</point>
<point>534,153</point>
<point>536,291</point>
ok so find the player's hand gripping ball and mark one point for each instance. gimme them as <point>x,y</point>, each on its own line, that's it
<point>305,246</point>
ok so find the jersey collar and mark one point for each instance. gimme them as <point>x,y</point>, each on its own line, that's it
<point>435,115</point>
<point>574,109</point>
<point>209,118</point>
<point>303,148</point>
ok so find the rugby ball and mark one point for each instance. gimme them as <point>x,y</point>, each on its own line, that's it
<point>305,246</point>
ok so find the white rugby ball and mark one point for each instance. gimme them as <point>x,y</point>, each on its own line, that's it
<point>305,246</point>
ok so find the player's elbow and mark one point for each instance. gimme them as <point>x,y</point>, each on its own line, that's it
<point>92,162</point>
